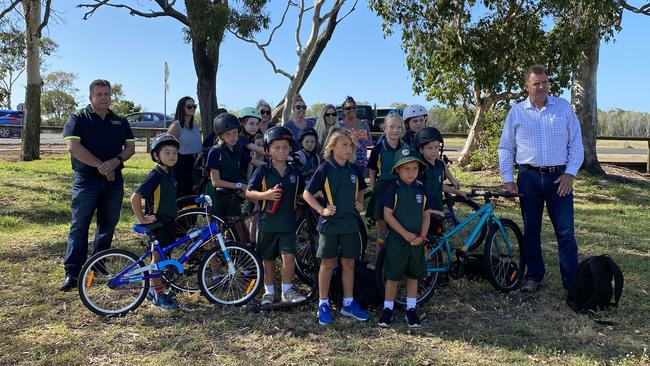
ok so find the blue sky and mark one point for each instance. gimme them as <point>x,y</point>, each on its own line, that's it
<point>358,61</point>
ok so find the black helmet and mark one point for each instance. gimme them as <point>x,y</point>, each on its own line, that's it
<point>161,140</point>
<point>277,133</point>
<point>307,132</point>
<point>426,135</point>
<point>224,123</point>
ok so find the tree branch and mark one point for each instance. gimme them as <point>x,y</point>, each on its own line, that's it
<point>262,48</point>
<point>11,7</point>
<point>167,8</point>
<point>645,9</point>
<point>354,6</point>
<point>299,26</point>
<point>46,17</point>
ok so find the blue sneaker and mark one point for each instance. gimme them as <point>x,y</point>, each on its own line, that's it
<point>354,311</point>
<point>325,315</point>
<point>165,302</point>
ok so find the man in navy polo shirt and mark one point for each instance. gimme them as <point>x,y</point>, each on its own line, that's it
<point>99,142</point>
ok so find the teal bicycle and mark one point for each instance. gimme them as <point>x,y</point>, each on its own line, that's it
<point>501,262</point>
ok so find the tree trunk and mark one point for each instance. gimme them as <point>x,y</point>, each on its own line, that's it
<point>32,117</point>
<point>206,61</point>
<point>583,98</point>
<point>472,136</point>
<point>312,59</point>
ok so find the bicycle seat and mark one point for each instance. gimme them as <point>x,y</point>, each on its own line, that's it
<point>146,228</point>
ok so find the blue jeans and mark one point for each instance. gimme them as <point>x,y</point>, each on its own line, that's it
<point>538,189</point>
<point>90,193</point>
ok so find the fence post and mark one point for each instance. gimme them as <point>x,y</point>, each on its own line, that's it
<point>148,134</point>
<point>647,167</point>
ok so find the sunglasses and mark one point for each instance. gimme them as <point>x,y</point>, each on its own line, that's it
<point>191,106</point>
<point>263,111</point>
<point>299,107</point>
<point>330,114</point>
<point>350,107</point>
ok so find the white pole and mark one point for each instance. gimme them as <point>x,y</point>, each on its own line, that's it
<point>166,87</point>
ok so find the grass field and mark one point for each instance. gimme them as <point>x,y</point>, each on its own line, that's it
<point>465,323</point>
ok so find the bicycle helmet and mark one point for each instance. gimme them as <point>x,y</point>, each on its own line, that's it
<point>224,123</point>
<point>414,110</point>
<point>428,134</point>
<point>161,140</point>
<point>249,112</point>
<point>277,133</point>
<point>307,132</point>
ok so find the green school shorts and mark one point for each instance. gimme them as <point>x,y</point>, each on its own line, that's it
<point>403,259</point>
<point>270,244</point>
<point>333,245</point>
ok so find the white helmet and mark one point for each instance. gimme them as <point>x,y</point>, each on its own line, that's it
<point>414,110</point>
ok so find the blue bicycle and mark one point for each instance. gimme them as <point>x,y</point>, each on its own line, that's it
<point>115,281</point>
<point>501,262</point>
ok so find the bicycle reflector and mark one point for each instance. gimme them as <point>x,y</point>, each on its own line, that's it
<point>89,280</point>
<point>251,285</point>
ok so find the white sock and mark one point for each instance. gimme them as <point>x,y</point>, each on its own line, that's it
<point>410,303</point>
<point>347,301</point>
<point>389,304</point>
<point>323,301</point>
<point>269,289</point>
<point>285,287</point>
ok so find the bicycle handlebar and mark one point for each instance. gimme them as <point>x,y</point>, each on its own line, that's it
<point>204,199</point>
<point>493,194</point>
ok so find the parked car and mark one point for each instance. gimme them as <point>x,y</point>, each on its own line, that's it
<point>8,119</point>
<point>380,115</point>
<point>364,111</point>
<point>148,120</point>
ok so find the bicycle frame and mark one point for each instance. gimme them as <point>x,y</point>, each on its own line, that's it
<point>484,215</point>
<point>129,274</point>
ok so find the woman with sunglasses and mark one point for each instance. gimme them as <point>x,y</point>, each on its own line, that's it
<point>298,122</point>
<point>188,135</point>
<point>361,132</point>
<point>265,110</point>
<point>326,120</point>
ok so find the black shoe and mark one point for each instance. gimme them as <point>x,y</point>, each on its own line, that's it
<point>68,284</point>
<point>412,318</point>
<point>386,318</point>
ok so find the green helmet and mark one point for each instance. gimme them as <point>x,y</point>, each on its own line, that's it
<point>249,112</point>
<point>224,123</point>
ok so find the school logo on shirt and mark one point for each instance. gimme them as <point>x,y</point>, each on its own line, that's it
<point>292,179</point>
<point>353,178</point>
<point>418,198</point>
<point>406,152</point>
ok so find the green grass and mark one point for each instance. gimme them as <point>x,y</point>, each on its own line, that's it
<point>465,323</point>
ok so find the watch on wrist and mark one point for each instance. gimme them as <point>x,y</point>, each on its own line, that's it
<point>239,186</point>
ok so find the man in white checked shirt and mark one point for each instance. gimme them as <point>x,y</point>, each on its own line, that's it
<point>542,135</point>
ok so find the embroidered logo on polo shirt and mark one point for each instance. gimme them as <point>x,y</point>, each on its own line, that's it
<point>292,178</point>
<point>418,198</point>
<point>353,178</point>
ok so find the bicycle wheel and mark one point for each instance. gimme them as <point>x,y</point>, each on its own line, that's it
<point>504,266</point>
<point>307,265</point>
<point>93,287</point>
<point>220,287</point>
<point>187,221</point>
<point>426,287</point>
<point>462,209</point>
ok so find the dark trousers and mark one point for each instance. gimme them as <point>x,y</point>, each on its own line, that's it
<point>90,193</point>
<point>183,173</point>
<point>539,189</point>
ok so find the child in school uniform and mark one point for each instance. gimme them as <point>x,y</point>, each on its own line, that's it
<point>429,142</point>
<point>308,152</point>
<point>342,185</point>
<point>380,169</point>
<point>159,191</point>
<point>406,211</point>
<point>275,187</point>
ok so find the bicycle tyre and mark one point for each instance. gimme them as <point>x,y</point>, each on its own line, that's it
<point>219,287</point>
<point>505,271</point>
<point>307,265</point>
<point>93,284</point>
<point>186,221</point>
<point>463,208</point>
<point>426,287</point>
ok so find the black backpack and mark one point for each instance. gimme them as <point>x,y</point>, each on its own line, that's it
<point>592,288</point>
<point>366,293</point>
